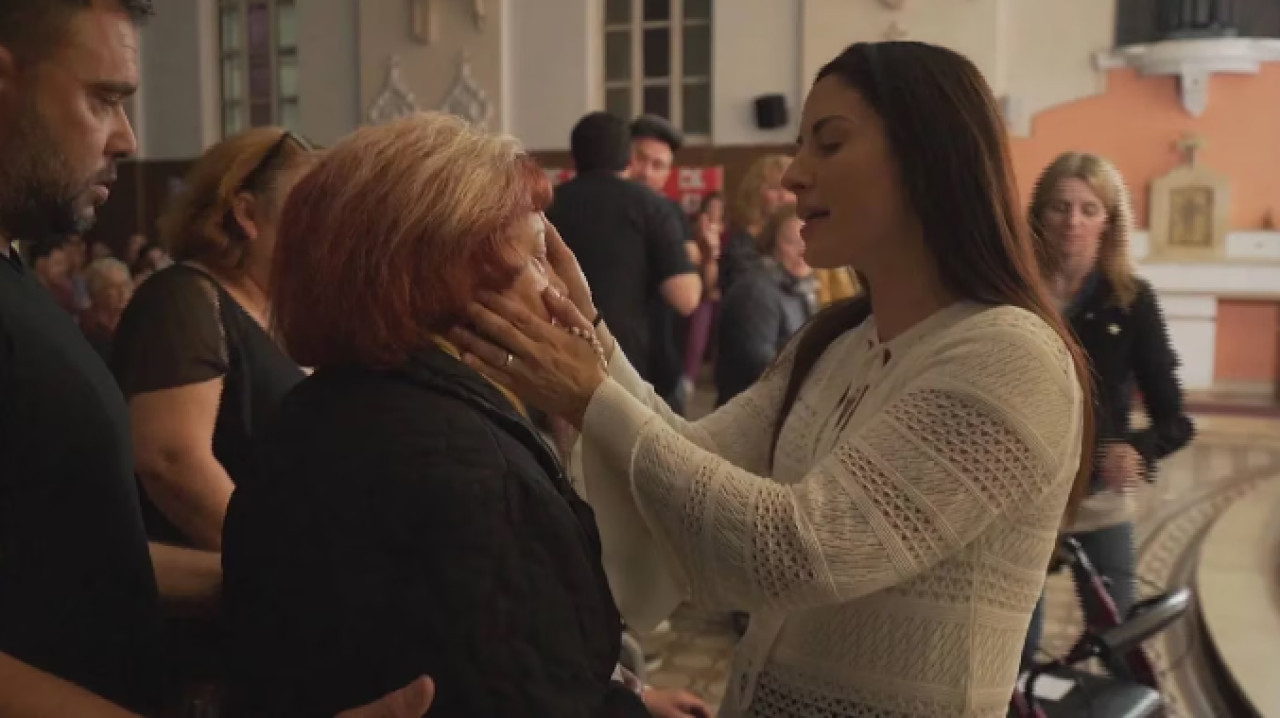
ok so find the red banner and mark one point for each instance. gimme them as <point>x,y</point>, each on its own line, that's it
<point>686,185</point>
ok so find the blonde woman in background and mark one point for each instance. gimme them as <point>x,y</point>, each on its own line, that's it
<point>1081,219</point>
<point>776,297</point>
<point>760,194</point>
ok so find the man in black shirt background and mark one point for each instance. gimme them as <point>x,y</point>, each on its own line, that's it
<point>78,597</point>
<point>626,237</point>
<point>654,142</point>
<point>79,602</point>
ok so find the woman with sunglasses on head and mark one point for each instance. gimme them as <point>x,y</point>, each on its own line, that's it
<point>197,363</point>
<point>193,352</point>
<point>885,499</point>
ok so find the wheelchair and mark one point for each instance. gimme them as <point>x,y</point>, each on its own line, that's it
<point>1129,686</point>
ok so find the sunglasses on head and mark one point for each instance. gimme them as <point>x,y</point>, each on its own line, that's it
<point>255,176</point>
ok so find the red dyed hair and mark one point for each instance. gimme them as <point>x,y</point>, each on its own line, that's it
<point>386,240</point>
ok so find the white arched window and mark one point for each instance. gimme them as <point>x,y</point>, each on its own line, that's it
<point>658,61</point>
<point>258,40</point>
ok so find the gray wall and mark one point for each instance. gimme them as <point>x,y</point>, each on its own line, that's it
<point>174,96</point>
<point>180,98</point>
<point>328,72</point>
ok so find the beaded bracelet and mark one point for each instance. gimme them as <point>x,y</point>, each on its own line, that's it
<point>591,338</point>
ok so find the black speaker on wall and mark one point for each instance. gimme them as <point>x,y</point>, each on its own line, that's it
<point>771,112</point>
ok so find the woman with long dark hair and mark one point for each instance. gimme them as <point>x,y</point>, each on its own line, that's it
<point>884,501</point>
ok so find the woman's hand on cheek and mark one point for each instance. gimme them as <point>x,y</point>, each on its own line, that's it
<point>566,267</point>
<point>546,366</point>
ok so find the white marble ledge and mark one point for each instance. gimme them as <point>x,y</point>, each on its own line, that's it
<point>1242,246</point>
<point>1251,267</point>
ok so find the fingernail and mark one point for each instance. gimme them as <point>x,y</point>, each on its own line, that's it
<point>555,293</point>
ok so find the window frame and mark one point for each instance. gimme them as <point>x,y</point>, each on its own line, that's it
<point>241,56</point>
<point>675,81</point>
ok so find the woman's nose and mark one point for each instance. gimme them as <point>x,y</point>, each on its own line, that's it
<point>795,179</point>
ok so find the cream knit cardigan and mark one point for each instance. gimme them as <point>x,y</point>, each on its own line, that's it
<point>891,555</point>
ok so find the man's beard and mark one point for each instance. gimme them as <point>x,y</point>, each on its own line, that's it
<point>37,198</point>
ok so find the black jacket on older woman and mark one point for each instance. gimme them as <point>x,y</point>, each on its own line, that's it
<point>1130,346</point>
<point>411,522</point>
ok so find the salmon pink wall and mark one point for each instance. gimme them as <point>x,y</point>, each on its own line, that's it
<point>1138,121</point>
<point>1248,344</point>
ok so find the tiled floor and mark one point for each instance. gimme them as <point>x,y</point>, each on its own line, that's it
<point>1228,456</point>
<point>1236,580</point>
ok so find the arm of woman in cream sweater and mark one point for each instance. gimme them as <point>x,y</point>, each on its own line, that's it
<point>740,432</point>
<point>645,583</point>
<point>991,420</point>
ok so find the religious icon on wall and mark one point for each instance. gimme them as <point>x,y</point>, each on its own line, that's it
<point>1190,209</point>
<point>1191,217</point>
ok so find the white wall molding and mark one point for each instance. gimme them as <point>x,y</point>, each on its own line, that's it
<point>210,48</point>
<point>1243,248</point>
<point>329,69</point>
<point>1194,62</point>
<point>744,68</point>
<point>1189,294</point>
<point>504,43</point>
<point>179,111</point>
<point>551,78</point>
<point>1035,54</point>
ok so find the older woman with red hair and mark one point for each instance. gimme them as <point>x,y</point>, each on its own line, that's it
<point>413,521</point>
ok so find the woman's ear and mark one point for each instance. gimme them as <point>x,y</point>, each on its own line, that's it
<point>245,208</point>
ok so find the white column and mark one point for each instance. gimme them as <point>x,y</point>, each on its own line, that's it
<point>1193,322</point>
<point>554,61</point>
<point>1189,294</point>
<point>328,69</point>
<point>746,67</point>
<point>177,113</point>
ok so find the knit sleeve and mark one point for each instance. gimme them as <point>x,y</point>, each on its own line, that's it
<point>645,585</point>
<point>990,422</point>
<point>741,431</point>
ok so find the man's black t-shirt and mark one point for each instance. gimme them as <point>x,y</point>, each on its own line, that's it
<point>628,242</point>
<point>666,355</point>
<point>77,593</point>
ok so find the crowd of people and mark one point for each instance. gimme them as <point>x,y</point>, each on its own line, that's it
<point>93,284</point>
<point>303,467</point>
